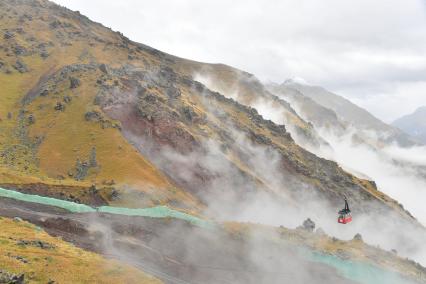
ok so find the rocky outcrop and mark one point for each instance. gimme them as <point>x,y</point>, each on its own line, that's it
<point>35,243</point>
<point>358,237</point>
<point>8,35</point>
<point>11,278</point>
<point>308,225</point>
<point>74,82</point>
<point>20,66</point>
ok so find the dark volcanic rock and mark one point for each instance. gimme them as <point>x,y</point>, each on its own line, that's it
<point>92,159</point>
<point>44,54</point>
<point>104,68</point>
<point>189,113</point>
<point>19,50</point>
<point>35,243</point>
<point>67,99</point>
<point>93,116</point>
<point>59,106</point>
<point>10,278</point>
<point>8,35</point>
<point>74,82</point>
<point>20,66</point>
<point>358,237</point>
<point>31,119</point>
<point>81,169</point>
<point>44,93</point>
<point>173,92</point>
<point>308,225</point>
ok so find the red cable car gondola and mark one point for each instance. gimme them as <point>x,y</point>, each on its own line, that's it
<point>345,214</point>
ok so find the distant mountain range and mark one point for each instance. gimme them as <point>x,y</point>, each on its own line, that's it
<point>414,124</point>
<point>327,109</point>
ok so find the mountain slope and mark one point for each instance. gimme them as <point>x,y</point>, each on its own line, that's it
<point>319,115</point>
<point>248,90</point>
<point>88,115</point>
<point>414,124</point>
<point>55,137</point>
<point>67,115</point>
<point>353,143</point>
<point>351,114</point>
<point>29,252</point>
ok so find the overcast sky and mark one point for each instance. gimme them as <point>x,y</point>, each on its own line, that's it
<point>371,51</point>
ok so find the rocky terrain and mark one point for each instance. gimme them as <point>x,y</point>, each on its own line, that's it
<point>89,116</point>
<point>174,251</point>
<point>30,255</point>
<point>78,116</point>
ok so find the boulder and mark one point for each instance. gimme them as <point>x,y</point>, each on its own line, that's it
<point>17,219</point>
<point>67,99</point>
<point>31,119</point>
<point>189,113</point>
<point>92,116</point>
<point>19,50</point>
<point>10,278</point>
<point>59,106</point>
<point>104,68</point>
<point>115,195</point>
<point>20,66</point>
<point>8,35</point>
<point>44,54</point>
<point>35,243</point>
<point>308,225</point>
<point>74,82</point>
<point>358,237</point>
<point>173,92</point>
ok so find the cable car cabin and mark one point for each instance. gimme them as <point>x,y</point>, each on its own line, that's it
<point>344,218</point>
<point>345,214</point>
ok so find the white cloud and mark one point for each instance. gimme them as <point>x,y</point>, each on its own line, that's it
<point>392,99</point>
<point>363,48</point>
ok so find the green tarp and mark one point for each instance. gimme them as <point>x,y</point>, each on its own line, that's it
<point>67,205</point>
<point>154,212</point>
<point>360,272</point>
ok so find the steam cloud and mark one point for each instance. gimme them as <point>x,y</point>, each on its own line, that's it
<point>398,172</point>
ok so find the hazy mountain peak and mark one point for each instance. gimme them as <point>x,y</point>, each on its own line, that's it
<point>414,123</point>
<point>421,109</point>
<point>295,81</point>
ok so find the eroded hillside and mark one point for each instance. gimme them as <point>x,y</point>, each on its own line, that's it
<point>89,116</point>
<point>30,255</point>
<point>84,94</point>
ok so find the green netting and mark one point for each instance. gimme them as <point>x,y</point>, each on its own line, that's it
<point>67,205</point>
<point>154,212</point>
<point>357,271</point>
<point>360,272</point>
